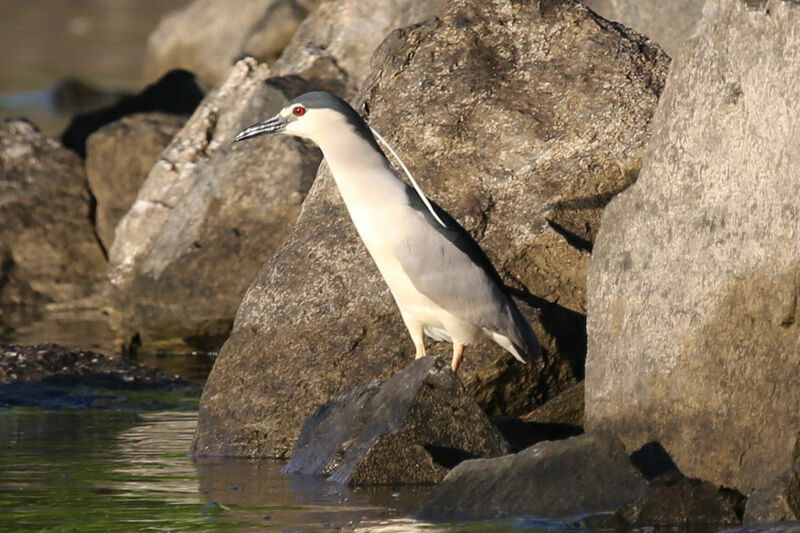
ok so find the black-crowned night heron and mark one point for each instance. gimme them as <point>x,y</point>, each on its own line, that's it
<point>442,281</point>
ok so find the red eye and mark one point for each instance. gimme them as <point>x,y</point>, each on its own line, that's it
<point>299,111</point>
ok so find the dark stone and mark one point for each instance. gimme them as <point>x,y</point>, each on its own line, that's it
<point>55,377</point>
<point>559,418</point>
<point>410,429</point>
<point>564,133</point>
<point>675,500</point>
<point>521,433</point>
<point>566,408</point>
<point>590,473</point>
<point>177,92</point>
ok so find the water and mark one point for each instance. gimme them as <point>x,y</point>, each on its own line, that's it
<point>112,471</point>
<point>122,471</point>
<point>100,42</point>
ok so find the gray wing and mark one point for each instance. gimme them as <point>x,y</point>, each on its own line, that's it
<point>448,266</point>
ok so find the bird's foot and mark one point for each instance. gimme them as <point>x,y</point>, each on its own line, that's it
<point>458,353</point>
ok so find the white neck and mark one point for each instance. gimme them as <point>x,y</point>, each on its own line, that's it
<point>362,174</point>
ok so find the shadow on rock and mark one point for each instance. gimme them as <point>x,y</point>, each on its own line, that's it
<point>177,92</point>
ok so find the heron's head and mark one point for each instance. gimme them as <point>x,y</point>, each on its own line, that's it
<point>313,116</point>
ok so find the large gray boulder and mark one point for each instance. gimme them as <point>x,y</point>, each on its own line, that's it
<point>207,36</point>
<point>410,429</point>
<point>48,249</point>
<point>522,141</point>
<point>693,286</point>
<point>207,215</point>
<point>118,158</point>
<point>553,479</point>
<point>670,24</point>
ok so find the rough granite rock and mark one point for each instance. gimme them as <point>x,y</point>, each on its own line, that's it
<point>207,216</point>
<point>118,158</point>
<point>333,43</point>
<point>177,93</point>
<point>48,249</point>
<point>410,429</point>
<point>522,141</point>
<point>675,500</point>
<point>694,284</point>
<point>670,24</point>
<point>207,36</point>
<point>554,479</point>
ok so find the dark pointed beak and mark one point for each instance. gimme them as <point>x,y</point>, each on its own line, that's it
<point>275,124</point>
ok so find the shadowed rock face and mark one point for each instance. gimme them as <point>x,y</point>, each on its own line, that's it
<point>693,285</point>
<point>520,138</point>
<point>410,429</point>
<point>48,249</point>
<point>553,479</point>
<point>118,158</point>
<point>675,500</point>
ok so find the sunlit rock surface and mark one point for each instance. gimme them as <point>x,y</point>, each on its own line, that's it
<point>694,281</point>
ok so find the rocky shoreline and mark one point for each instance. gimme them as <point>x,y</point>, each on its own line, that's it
<point>642,209</point>
<point>54,377</point>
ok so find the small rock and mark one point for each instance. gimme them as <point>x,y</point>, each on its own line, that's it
<point>566,408</point>
<point>589,473</point>
<point>410,429</point>
<point>675,500</point>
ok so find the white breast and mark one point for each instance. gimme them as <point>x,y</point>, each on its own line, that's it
<point>378,205</point>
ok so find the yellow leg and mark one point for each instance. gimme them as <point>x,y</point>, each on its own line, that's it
<point>458,353</point>
<point>420,351</point>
